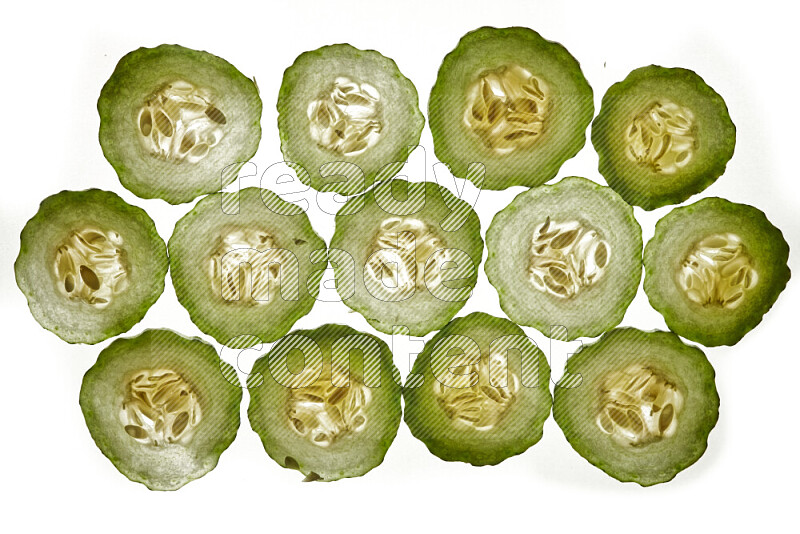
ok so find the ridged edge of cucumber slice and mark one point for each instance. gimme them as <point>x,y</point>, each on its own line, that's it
<point>686,318</point>
<point>118,359</point>
<point>74,205</point>
<point>526,305</point>
<point>336,461</point>
<point>519,430</point>
<point>674,189</point>
<point>627,346</point>
<point>527,170</point>
<point>311,158</point>
<point>122,151</point>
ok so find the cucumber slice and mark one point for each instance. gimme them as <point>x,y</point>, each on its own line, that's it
<point>714,268</point>
<point>479,392</point>
<point>161,407</point>
<point>177,123</point>
<point>513,101</point>
<point>407,254</point>
<point>662,135</point>
<point>350,109</point>
<point>321,411</point>
<point>90,265</point>
<point>568,255</point>
<point>240,266</point>
<point>643,408</point>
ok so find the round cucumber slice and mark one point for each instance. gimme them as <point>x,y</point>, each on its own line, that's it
<point>714,268</point>
<point>322,411</point>
<point>662,135</point>
<point>643,407</point>
<point>177,123</point>
<point>513,101</point>
<point>406,254</point>
<point>240,264</point>
<point>567,255</point>
<point>161,407</point>
<point>90,265</point>
<point>346,118</point>
<point>479,391</point>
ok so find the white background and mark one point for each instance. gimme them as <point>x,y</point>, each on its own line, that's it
<point>55,60</point>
